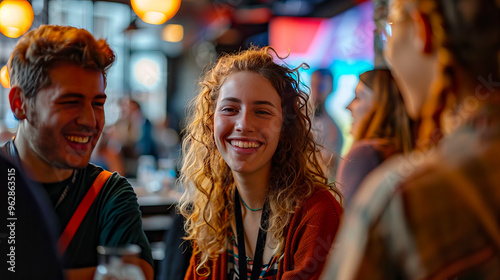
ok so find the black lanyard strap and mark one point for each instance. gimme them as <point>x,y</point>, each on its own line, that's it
<point>259,247</point>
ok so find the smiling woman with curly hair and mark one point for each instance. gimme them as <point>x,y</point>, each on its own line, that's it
<point>252,175</point>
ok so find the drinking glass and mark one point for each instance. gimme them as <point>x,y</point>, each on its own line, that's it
<point>118,263</point>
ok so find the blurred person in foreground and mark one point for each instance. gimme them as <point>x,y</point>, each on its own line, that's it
<point>257,202</point>
<point>58,77</point>
<point>434,214</point>
<point>381,128</point>
<point>326,130</point>
<point>25,255</point>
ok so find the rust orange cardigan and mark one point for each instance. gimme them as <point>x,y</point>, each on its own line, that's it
<point>309,238</point>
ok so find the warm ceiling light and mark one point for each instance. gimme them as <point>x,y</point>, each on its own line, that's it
<point>4,77</point>
<point>173,33</point>
<point>16,17</point>
<point>155,11</point>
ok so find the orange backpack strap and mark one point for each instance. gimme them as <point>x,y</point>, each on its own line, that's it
<point>81,211</point>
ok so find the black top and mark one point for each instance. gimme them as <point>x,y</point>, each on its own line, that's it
<point>113,219</point>
<point>363,157</point>
<point>28,228</point>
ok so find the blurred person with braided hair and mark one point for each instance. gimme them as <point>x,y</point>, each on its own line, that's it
<point>252,175</point>
<point>434,214</point>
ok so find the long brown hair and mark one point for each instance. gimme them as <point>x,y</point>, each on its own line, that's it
<point>387,118</point>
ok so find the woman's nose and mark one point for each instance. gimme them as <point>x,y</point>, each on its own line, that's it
<point>245,122</point>
<point>350,105</point>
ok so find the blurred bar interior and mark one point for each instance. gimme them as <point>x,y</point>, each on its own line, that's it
<point>159,64</point>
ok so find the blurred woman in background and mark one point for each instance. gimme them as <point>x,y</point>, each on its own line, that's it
<point>381,128</point>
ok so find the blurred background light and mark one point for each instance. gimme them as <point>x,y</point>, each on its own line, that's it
<point>155,11</point>
<point>16,17</point>
<point>148,82</point>
<point>4,77</point>
<point>147,72</point>
<point>173,33</point>
<point>342,43</point>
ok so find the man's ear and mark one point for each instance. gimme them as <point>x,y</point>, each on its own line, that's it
<point>17,102</point>
<point>423,30</point>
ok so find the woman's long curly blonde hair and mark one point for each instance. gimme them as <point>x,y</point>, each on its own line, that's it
<point>296,173</point>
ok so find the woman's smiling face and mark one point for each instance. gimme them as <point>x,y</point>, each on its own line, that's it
<point>247,122</point>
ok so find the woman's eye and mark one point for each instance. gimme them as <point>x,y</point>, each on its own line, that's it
<point>263,112</point>
<point>228,110</point>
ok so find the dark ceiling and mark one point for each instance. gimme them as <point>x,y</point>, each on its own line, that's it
<point>249,19</point>
<point>304,8</point>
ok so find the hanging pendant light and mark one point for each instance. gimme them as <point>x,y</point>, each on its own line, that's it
<point>4,77</point>
<point>155,11</point>
<point>16,17</point>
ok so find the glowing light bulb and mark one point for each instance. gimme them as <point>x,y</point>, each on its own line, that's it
<point>16,17</point>
<point>155,11</point>
<point>4,77</point>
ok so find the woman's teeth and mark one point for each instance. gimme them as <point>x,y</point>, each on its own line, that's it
<point>245,144</point>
